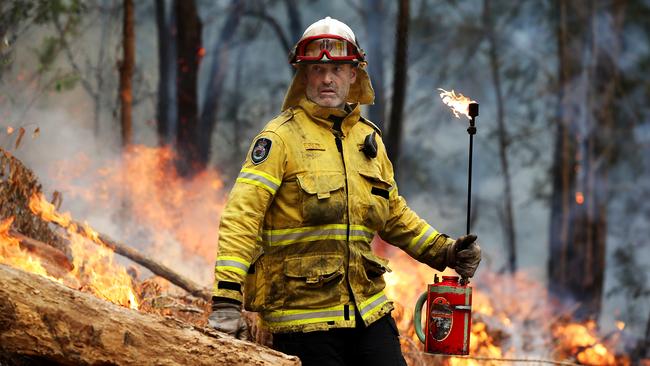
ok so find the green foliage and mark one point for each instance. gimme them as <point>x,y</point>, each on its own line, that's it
<point>18,15</point>
<point>66,82</point>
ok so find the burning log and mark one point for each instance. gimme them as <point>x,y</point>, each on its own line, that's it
<point>59,261</point>
<point>44,322</point>
<point>155,267</point>
<point>41,207</point>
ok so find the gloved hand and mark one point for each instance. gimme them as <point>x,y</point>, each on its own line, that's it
<point>464,255</point>
<point>227,317</point>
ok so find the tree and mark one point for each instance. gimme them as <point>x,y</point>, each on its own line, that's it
<point>374,22</point>
<point>495,67</point>
<point>166,110</point>
<point>190,51</point>
<point>127,66</point>
<point>220,61</point>
<point>399,84</point>
<point>588,80</point>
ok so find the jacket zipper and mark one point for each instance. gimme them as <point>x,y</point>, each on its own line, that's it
<point>339,147</point>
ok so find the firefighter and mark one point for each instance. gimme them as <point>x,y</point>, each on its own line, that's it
<point>316,187</point>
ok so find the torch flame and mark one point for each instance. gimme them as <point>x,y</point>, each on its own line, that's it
<point>458,103</point>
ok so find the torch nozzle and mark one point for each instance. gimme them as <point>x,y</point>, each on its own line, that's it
<point>473,110</point>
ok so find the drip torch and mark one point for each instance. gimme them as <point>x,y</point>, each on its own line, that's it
<point>449,302</point>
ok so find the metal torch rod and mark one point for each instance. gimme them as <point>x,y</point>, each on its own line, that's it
<point>471,130</point>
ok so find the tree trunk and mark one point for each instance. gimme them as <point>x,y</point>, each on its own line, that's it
<point>188,26</point>
<point>376,12</point>
<point>44,322</point>
<point>295,25</point>
<point>588,78</point>
<point>509,221</point>
<point>167,107</point>
<point>399,84</point>
<point>126,73</point>
<point>215,83</point>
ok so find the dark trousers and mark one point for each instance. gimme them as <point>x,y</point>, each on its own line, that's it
<point>376,345</point>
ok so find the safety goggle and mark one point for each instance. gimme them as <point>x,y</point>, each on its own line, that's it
<point>334,47</point>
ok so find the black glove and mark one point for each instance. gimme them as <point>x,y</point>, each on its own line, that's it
<point>464,255</point>
<point>227,317</point>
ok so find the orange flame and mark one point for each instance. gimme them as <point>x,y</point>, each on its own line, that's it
<point>580,198</point>
<point>510,319</point>
<point>93,265</point>
<point>12,254</point>
<point>458,103</point>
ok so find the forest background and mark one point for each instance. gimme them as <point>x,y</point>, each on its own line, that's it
<point>143,131</point>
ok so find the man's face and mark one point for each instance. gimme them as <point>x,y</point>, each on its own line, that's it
<point>328,84</point>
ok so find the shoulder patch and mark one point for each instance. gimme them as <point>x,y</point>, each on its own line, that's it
<point>374,126</point>
<point>261,150</point>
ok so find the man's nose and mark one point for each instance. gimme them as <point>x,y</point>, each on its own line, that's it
<point>328,77</point>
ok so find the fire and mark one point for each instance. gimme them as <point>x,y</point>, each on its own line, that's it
<point>174,219</point>
<point>458,103</point>
<point>580,198</point>
<point>581,340</point>
<point>12,254</point>
<point>513,318</point>
<point>94,267</point>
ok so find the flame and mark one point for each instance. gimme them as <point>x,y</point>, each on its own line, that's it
<point>176,218</point>
<point>10,130</point>
<point>94,267</point>
<point>580,198</point>
<point>581,340</point>
<point>620,325</point>
<point>512,317</point>
<point>458,103</point>
<point>12,254</point>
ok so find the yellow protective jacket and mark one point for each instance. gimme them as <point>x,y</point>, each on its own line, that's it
<point>297,228</point>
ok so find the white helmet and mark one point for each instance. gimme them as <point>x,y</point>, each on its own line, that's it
<point>327,40</point>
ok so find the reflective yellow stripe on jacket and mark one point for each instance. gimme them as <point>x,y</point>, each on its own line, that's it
<point>282,318</point>
<point>426,235</point>
<point>260,179</point>
<point>372,305</point>
<point>232,264</point>
<point>315,233</point>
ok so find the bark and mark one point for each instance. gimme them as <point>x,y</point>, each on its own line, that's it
<point>166,108</point>
<point>588,79</point>
<point>493,54</point>
<point>220,63</point>
<point>399,84</point>
<point>189,45</point>
<point>43,322</point>
<point>374,22</point>
<point>126,73</point>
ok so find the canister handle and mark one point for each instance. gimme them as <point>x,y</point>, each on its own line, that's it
<point>417,316</point>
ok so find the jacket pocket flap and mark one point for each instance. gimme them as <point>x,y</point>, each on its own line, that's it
<point>313,268</point>
<point>375,262</point>
<point>376,178</point>
<point>322,183</point>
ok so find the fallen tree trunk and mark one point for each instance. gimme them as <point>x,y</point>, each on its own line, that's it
<point>43,322</point>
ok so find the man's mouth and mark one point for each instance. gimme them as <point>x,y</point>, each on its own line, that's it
<point>328,92</point>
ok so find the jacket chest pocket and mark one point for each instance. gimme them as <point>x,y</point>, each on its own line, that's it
<point>322,198</point>
<point>311,280</point>
<point>374,198</point>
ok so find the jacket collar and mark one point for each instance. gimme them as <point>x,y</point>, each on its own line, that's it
<point>326,116</point>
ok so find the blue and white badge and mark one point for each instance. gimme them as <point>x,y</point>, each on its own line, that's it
<point>261,150</point>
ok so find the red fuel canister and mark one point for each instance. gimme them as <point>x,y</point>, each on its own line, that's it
<point>448,317</point>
